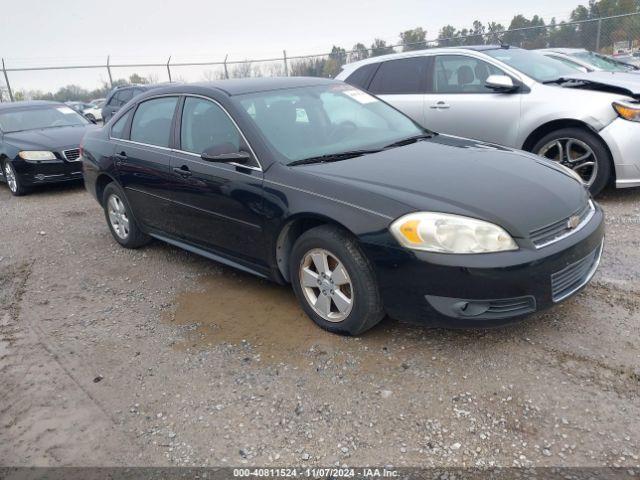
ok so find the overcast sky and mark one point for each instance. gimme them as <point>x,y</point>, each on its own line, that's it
<point>56,32</point>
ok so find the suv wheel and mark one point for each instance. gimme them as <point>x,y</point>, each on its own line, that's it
<point>120,220</point>
<point>334,281</point>
<point>582,151</point>
<point>12,179</point>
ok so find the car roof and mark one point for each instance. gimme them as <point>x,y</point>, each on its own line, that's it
<point>28,104</point>
<point>240,86</point>
<point>427,51</point>
<point>563,50</point>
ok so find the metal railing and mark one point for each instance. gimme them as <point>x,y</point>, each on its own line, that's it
<point>605,34</point>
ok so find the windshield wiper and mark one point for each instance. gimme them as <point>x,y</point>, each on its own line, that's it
<point>333,157</point>
<point>409,140</point>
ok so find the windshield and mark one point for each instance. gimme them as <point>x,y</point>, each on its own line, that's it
<point>31,118</point>
<point>308,122</point>
<point>533,64</point>
<point>602,62</point>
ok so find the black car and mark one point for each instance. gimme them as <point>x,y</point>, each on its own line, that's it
<point>39,143</point>
<point>316,183</point>
<point>119,96</point>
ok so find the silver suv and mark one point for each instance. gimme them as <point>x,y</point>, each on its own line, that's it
<point>589,122</point>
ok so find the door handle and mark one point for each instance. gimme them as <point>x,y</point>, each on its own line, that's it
<point>120,157</point>
<point>440,106</point>
<point>182,171</point>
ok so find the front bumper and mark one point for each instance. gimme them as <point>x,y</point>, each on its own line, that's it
<point>623,139</point>
<point>461,291</point>
<point>50,171</point>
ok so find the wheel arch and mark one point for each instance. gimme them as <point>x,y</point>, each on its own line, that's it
<point>291,230</point>
<point>550,126</point>
<point>102,181</point>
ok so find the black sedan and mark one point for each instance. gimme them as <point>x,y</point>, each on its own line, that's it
<point>318,184</point>
<point>39,143</point>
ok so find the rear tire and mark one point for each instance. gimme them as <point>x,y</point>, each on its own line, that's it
<point>342,296</point>
<point>12,179</point>
<point>580,143</point>
<point>120,219</point>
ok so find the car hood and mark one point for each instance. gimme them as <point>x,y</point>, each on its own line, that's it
<point>48,138</point>
<point>519,191</point>
<point>626,83</point>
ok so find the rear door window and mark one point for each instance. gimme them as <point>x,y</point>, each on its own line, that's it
<point>152,121</point>
<point>360,78</point>
<point>402,76</point>
<point>117,131</point>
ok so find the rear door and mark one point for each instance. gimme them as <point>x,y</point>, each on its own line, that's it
<point>460,104</point>
<point>143,161</point>
<point>219,204</point>
<point>403,83</point>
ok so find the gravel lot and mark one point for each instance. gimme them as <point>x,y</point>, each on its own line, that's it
<point>160,357</point>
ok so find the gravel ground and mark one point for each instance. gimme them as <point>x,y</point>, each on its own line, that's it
<point>160,357</point>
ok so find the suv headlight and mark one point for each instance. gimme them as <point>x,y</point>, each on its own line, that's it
<point>36,155</point>
<point>447,233</point>
<point>628,111</point>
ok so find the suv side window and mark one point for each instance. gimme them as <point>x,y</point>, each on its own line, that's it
<point>117,131</point>
<point>462,74</point>
<point>152,121</point>
<point>206,125</point>
<point>402,76</point>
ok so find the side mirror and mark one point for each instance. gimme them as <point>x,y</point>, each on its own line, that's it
<point>500,83</point>
<point>225,153</point>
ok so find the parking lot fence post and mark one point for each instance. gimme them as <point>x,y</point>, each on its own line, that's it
<point>169,69</point>
<point>286,67</point>
<point>6,80</point>
<point>598,35</point>
<point>109,71</point>
<point>226,72</point>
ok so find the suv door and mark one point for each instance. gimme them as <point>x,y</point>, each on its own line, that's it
<point>461,104</point>
<point>403,83</point>
<point>219,204</point>
<point>143,162</point>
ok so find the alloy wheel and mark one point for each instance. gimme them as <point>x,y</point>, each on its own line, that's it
<point>574,154</point>
<point>10,176</point>
<point>118,216</point>
<point>326,285</point>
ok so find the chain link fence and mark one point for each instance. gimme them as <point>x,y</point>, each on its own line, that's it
<point>614,35</point>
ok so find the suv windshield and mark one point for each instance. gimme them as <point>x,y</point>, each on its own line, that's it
<point>600,61</point>
<point>309,122</point>
<point>35,118</point>
<point>533,64</point>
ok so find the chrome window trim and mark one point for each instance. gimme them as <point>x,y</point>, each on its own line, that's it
<point>175,150</point>
<point>587,278</point>
<point>587,219</point>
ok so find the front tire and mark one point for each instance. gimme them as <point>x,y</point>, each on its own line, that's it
<point>334,282</point>
<point>13,180</point>
<point>582,151</point>
<point>120,219</point>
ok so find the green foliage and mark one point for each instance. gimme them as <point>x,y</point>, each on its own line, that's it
<point>414,39</point>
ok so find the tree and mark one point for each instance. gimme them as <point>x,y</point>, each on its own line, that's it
<point>358,52</point>
<point>413,39</point>
<point>379,47</point>
<point>134,78</point>
<point>446,37</point>
<point>494,31</point>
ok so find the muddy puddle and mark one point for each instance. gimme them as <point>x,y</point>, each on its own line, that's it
<point>236,309</point>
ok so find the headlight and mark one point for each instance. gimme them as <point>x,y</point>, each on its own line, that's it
<point>36,155</point>
<point>446,233</point>
<point>628,111</point>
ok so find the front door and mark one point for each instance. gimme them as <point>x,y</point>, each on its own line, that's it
<point>219,204</point>
<point>460,104</point>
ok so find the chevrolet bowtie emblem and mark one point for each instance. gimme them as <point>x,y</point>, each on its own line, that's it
<point>573,222</point>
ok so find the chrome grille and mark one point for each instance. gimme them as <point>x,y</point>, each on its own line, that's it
<point>575,276</point>
<point>72,155</point>
<point>556,231</point>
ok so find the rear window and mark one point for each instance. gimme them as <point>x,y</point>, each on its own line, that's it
<point>117,131</point>
<point>403,76</point>
<point>152,121</point>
